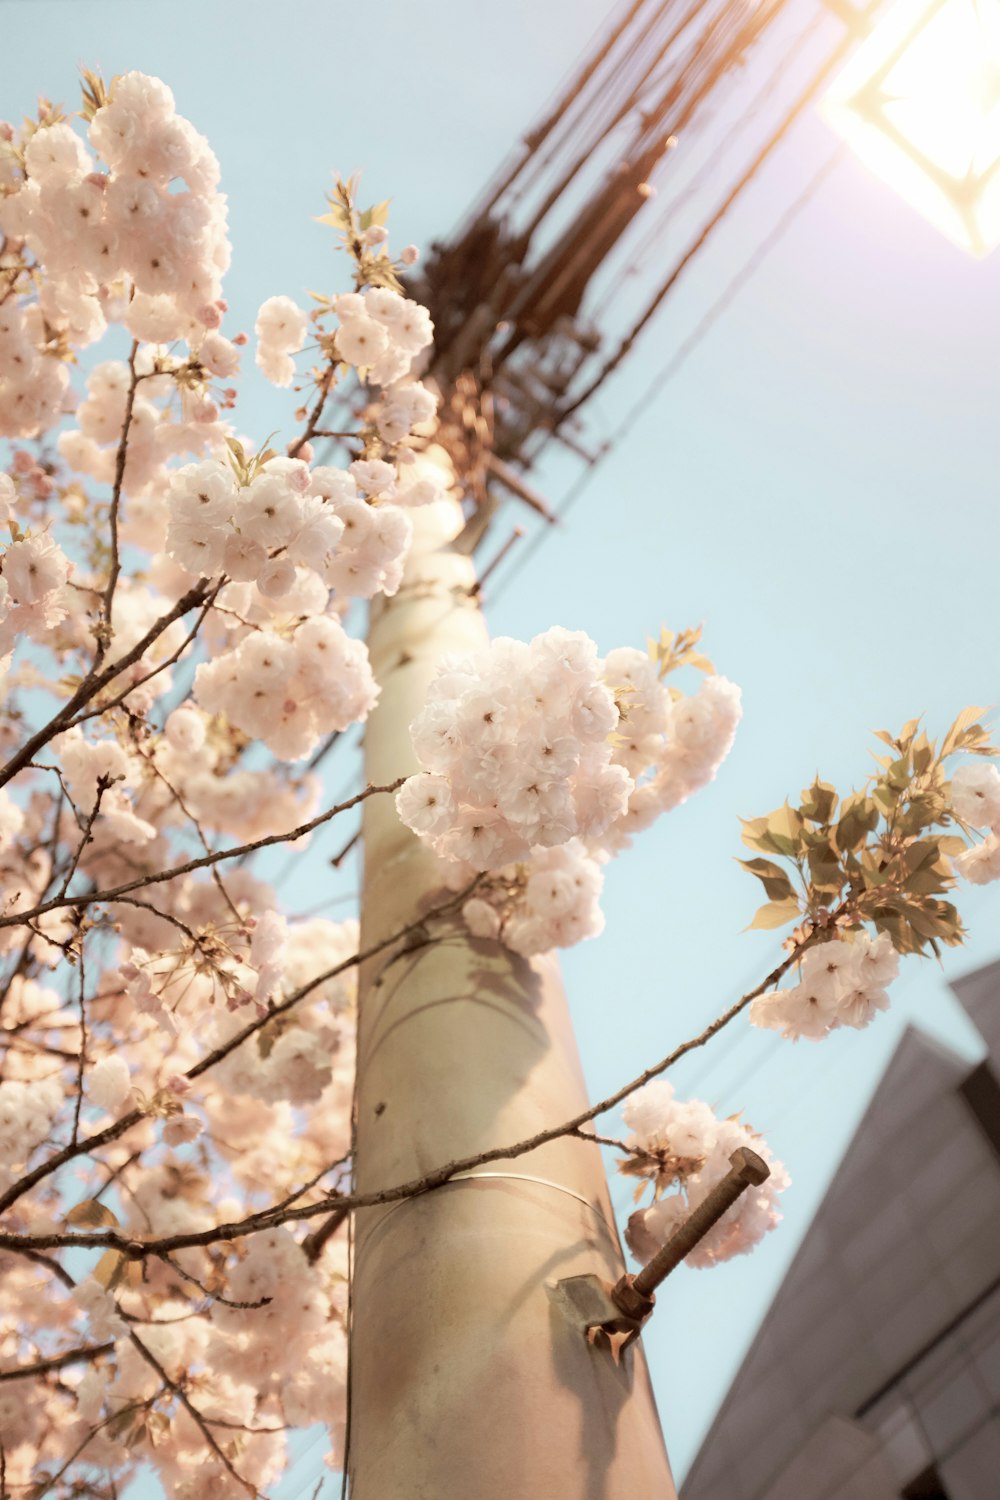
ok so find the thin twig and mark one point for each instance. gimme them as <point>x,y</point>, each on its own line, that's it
<point>95,681</point>
<point>201,1422</point>
<point>313,1243</point>
<point>267,1219</point>
<point>207,1292</point>
<point>103,631</point>
<point>169,661</point>
<point>492,566</point>
<point>338,859</point>
<point>58,1361</point>
<point>103,784</point>
<point>119,1127</point>
<point>92,898</point>
<point>323,390</point>
<point>81,1061</point>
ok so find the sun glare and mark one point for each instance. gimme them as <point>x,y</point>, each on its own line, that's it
<point>919,102</point>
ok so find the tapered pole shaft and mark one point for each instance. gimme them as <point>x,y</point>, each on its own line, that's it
<point>469,1380</point>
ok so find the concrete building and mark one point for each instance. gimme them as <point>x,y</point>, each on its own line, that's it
<point>876,1372</point>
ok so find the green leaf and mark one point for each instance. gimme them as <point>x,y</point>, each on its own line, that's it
<point>874,872</point>
<point>756,836</point>
<point>776,881</point>
<point>885,798</point>
<point>899,773</point>
<point>122,1421</point>
<point>923,812</point>
<point>858,818</point>
<point>932,881</point>
<point>775,914</point>
<point>92,1214</point>
<point>819,801</point>
<point>108,1271</point>
<point>900,933</point>
<point>825,874</point>
<point>966,719</point>
<point>338,217</point>
<point>922,852</point>
<point>379,214</point>
<point>923,755</point>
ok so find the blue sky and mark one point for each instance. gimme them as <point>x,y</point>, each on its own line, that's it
<point>818,486</point>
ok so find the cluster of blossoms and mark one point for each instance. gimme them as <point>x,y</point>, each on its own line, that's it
<point>109,1083</point>
<point>144,777</point>
<point>33,574</point>
<point>975,799</point>
<point>123,244</point>
<point>281,330</point>
<point>158,431</point>
<point>86,764</point>
<point>532,748</point>
<point>379,332</point>
<point>842,983</point>
<point>289,692</point>
<point>279,1361</point>
<point>684,1150</point>
<point>349,527</point>
<point>549,901</point>
<point>27,1110</point>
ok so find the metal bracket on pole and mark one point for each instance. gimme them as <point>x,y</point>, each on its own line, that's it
<point>614,1315</point>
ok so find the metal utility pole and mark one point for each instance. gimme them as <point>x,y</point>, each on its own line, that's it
<point>471,1377</point>
<point>470,1374</point>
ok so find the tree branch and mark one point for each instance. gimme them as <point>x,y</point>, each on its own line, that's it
<point>102,631</point>
<point>201,1422</point>
<point>119,1127</point>
<point>269,1218</point>
<point>323,390</point>
<point>168,661</point>
<point>94,681</point>
<point>58,1361</point>
<point>92,898</point>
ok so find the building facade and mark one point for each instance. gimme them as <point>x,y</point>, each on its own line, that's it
<point>876,1372</point>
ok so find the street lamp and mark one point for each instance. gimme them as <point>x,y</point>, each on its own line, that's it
<point>919,102</point>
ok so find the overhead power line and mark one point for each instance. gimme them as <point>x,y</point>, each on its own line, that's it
<point>675,364</point>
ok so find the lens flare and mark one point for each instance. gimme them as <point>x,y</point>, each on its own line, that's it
<point>919,102</point>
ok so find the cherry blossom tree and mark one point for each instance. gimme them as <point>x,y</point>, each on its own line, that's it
<point>203,1197</point>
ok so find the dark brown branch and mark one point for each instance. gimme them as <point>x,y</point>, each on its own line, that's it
<point>323,390</point>
<point>201,1422</point>
<point>268,1219</point>
<point>57,1361</point>
<point>168,661</point>
<point>81,1059</point>
<point>103,631</point>
<point>92,898</point>
<point>119,1127</point>
<point>103,783</point>
<point>95,681</point>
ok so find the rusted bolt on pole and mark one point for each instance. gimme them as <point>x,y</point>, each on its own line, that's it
<point>635,1295</point>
